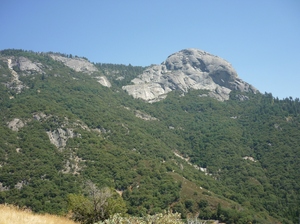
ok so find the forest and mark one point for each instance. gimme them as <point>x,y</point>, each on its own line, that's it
<point>235,161</point>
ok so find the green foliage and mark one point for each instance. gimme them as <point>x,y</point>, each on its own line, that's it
<point>114,148</point>
<point>202,203</point>
<point>189,204</point>
<point>98,204</point>
<point>81,207</point>
<point>115,205</point>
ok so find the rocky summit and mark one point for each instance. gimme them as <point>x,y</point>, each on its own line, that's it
<point>188,69</point>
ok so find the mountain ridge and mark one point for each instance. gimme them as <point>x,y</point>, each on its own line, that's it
<point>187,152</point>
<point>187,69</point>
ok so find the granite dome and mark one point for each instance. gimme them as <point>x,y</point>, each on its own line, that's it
<point>188,69</point>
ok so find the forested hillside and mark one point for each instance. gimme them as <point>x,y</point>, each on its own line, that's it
<point>236,161</point>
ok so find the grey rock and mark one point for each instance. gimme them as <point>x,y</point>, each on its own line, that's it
<point>3,188</point>
<point>59,137</point>
<point>73,164</point>
<point>188,69</point>
<point>242,97</point>
<point>27,65</point>
<point>151,92</point>
<point>14,83</point>
<point>81,65</point>
<point>40,116</point>
<point>144,116</point>
<point>15,124</point>
<point>78,64</point>
<point>21,184</point>
<point>103,81</point>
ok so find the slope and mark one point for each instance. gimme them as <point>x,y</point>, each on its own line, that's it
<point>61,127</point>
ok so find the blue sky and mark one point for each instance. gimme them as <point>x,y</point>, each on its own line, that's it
<point>260,38</point>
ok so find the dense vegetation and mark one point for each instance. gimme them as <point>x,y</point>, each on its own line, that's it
<point>250,149</point>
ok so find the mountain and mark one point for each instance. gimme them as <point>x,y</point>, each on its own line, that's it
<point>185,70</point>
<point>208,144</point>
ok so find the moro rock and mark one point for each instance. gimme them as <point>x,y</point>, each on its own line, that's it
<point>188,69</point>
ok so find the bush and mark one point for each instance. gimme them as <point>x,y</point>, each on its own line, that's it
<point>97,205</point>
<point>168,218</point>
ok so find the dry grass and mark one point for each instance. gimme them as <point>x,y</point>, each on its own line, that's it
<point>13,215</point>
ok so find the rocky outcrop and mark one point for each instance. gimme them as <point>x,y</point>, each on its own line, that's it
<point>27,66</point>
<point>249,158</point>
<point>21,66</point>
<point>21,184</point>
<point>40,116</point>
<point>144,116</point>
<point>73,164</point>
<point>3,188</point>
<point>103,81</point>
<point>14,83</point>
<point>78,64</point>
<point>15,124</point>
<point>59,137</point>
<point>188,69</point>
<point>24,66</point>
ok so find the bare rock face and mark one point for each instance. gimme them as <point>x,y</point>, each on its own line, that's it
<point>103,81</point>
<point>81,65</point>
<point>26,65</point>
<point>188,69</point>
<point>150,91</point>
<point>15,82</point>
<point>78,64</point>
<point>15,124</point>
<point>59,137</point>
